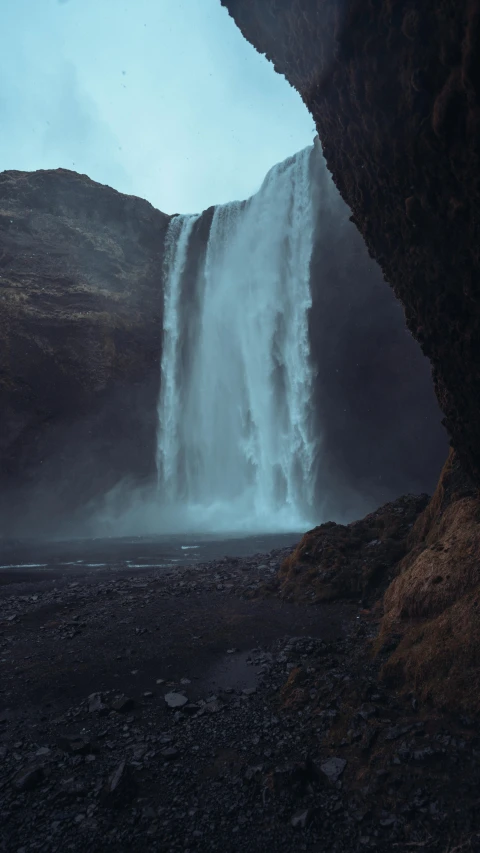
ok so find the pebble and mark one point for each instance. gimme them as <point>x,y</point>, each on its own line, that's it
<point>28,778</point>
<point>169,753</point>
<point>122,704</point>
<point>301,819</point>
<point>175,700</point>
<point>333,768</point>
<point>96,703</point>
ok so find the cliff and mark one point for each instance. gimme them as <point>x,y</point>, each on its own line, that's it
<point>80,284</point>
<point>379,421</point>
<point>394,91</point>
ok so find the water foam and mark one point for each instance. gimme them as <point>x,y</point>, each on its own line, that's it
<point>236,445</point>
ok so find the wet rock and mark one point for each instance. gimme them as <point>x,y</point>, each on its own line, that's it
<point>396,732</point>
<point>175,700</point>
<point>212,707</point>
<point>252,772</point>
<point>96,704</point>
<point>170,753</point>
<point>369,737</point>
<point>367,711</point>
<point>120,787</point>
<point>76,745</point>
<point>28,778</point>
<point>123,704</point>
<point>74,787</point>
<point>301,819</point>
<point>333,768</point>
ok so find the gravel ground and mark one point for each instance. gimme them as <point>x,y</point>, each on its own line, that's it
<point>178,712</point>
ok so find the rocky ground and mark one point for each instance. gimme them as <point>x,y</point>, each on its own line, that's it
<point>182,712</point>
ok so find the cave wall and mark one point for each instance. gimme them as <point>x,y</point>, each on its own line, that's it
<point>378,417</point>
<point>81,296</point>
<point>393,86</point>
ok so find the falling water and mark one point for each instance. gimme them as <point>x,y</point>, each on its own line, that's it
<point>176,248</point>
<point>235,442</point>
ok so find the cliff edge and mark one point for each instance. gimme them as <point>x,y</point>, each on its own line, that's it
<point>80,329</point>
<point>394,90</point>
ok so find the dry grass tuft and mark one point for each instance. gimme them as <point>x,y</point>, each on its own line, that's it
<point>433,605</point>
<point>293,695</point>
<point>335,561</point>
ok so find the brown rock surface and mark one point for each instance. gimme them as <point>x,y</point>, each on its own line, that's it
<point>394,90</point>
<point>431,608</point>
<point>80,285</point>
<point>357,560</point>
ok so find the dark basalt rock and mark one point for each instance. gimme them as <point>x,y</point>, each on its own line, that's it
<point>394,90</point>
<point>81,296</point>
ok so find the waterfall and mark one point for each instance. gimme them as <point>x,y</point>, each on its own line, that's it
<point>176,248</point>
<point>236,448</point>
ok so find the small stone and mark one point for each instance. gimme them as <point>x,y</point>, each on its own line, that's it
<point>301,819</point>
<point>333,768</point>
<point>175,700</point>
<point>28,778</point>
<point>169,753</point>
<point>213,707</point>
<point>119,788</point>
<point>75,745</point>
<point>249,691</point>
<point>231,651</point>
<point>147,694</point>
<point>367,711</point>
<point>160,681</point>
<point>96,703</point>
<point>185,681</point>
<point>73,787</point>
<point>44,750</point>
<point>123,704</point>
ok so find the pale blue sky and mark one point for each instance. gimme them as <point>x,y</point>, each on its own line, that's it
<point>160,98</point>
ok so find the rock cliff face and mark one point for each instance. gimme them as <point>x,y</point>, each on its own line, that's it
<point>377,414</point>
<point>80,288</point>
<point>394,89</point>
